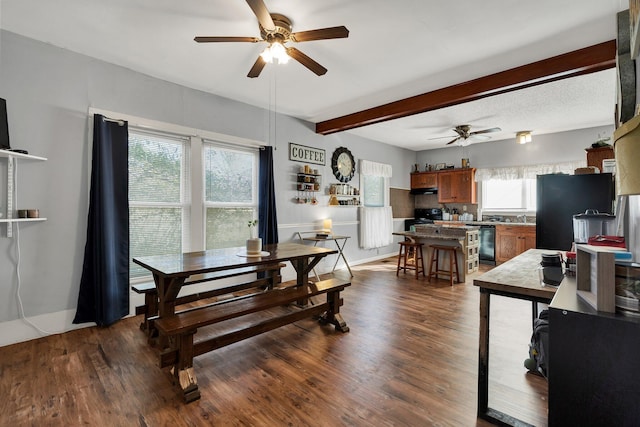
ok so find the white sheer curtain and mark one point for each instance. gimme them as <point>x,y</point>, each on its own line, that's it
<point>376,223</point>
<point>528,171</point>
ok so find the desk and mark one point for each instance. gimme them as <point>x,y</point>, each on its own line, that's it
<point>516,278</point>
<point>312,238</point>
<point>177,340</point>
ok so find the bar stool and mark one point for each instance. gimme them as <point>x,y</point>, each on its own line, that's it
<point>410,258</point>
<point>453,262</point>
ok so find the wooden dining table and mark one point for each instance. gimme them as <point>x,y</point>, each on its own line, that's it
<point>177,329</point>
<point>170,271</point>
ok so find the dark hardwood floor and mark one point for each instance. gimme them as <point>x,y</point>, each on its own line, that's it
<point>410,359</point>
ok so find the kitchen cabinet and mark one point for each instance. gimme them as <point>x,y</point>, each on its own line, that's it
<point>595,156</point>
<point>457,186</point>
<point>424,180</point>
<point>512,240</point>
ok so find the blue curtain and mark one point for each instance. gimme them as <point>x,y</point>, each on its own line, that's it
<point>104,286</point>
<point>267,218</point>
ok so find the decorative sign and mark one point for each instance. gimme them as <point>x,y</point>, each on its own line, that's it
<point>302,153</point>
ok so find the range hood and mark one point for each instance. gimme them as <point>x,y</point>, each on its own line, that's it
<point>428,190</point>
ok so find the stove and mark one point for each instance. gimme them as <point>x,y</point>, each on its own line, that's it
<point>423,216</point>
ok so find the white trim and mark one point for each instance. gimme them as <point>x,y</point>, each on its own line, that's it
<point>174,128</point>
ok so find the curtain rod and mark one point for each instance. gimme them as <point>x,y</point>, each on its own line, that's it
<point>120,122</point>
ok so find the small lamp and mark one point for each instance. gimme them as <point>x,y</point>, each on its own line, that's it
<point>627,154</point>
<point>523,137</point>
<point>326,225</point>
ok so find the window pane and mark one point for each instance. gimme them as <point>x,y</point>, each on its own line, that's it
<point>153,231</point>
<point>155,169</point>
<point>228,175</point>
<point>227,227</point>
<point>502,194</point>
<point>373,190</point>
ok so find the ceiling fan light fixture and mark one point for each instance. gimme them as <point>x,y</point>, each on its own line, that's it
<point>523,137</point>
<point>275,51</point>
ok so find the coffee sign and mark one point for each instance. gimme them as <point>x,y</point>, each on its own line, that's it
<point>302,153</point>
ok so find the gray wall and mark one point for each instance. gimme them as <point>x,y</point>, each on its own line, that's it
<point>49,91</point>
<point>549,148</point>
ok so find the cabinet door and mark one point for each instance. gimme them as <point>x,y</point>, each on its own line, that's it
<point>457,186</point>
<point>513,240</point>
<point>424,180</point>
<point>506,243</point>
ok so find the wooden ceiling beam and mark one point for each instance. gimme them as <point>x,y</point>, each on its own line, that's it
<point>583,61</point>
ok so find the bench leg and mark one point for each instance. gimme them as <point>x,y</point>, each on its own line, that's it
<point>183,373</point>
<point>333,315</point>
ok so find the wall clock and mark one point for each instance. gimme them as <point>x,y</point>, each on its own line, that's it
<point>343,164</point>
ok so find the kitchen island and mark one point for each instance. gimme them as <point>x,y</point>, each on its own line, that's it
<point>463,237</point>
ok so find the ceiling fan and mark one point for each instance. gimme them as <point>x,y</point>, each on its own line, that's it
<point>464,134</point>
<point>275,29</point>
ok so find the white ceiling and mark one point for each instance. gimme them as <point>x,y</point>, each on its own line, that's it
<point>395,49</point>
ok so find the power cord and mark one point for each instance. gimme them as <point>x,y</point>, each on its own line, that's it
<point>17,245</point>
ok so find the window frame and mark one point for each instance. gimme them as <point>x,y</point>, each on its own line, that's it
<point>195,238</point>
<point>482,188</point>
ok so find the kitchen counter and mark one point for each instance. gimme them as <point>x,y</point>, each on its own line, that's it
<point>479,223</point>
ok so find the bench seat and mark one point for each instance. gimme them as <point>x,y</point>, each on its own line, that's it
<point>148,289</point>
<point>181,327</point>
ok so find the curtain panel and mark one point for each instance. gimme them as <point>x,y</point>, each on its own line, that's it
<point>104,285</point>
<point>267,218</point>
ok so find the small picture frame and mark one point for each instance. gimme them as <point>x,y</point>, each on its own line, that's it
<point>440,166</point>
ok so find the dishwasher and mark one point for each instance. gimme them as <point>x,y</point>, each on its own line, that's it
<point>487,252</point>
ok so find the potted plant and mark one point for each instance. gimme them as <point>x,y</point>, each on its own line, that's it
<point>254,243</point>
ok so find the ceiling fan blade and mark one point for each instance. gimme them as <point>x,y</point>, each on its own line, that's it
<point>321,34</point>
<point>485,131</point>
<point>440,137</point>
<point>257,67</point>
<point>476,137</point>
<point>213,39</point>
<point>452,141</point>
<point>262,13</point>
<point>306,61</point>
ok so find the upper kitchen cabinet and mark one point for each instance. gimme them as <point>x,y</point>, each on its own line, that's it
<point>424,180</point>
<point>457,186</point>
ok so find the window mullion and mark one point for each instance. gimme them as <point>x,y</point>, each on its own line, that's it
<point>197,195</point>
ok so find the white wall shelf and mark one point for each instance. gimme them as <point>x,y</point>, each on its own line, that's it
<point>13,157</point>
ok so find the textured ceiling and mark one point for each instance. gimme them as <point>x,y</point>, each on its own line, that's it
<point>394,50</point>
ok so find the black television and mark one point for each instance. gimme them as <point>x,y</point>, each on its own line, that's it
<point>4,126</point>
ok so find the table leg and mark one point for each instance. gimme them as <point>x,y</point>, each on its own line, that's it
<point>341,254</point>
<point>168,289</point>
<point>483,356</point>
<point>315,244</point>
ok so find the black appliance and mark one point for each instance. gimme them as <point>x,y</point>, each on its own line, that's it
<point>560,196</point>
<point>4,126</point>
<point>423,216</point>
<point>487,250</point>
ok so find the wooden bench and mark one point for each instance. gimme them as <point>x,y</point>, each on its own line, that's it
<point>150,306</point>
<point>181,327</point>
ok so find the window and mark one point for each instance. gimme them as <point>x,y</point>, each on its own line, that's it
<point>230,194</point>
<point>158,195</point>
<point>509,195</point>
<point>188,194</point>
<point>373,190</point>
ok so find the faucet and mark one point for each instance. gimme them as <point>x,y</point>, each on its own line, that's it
<point>523,218</point>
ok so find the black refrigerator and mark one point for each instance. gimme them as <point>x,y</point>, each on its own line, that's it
<point>561,196</point>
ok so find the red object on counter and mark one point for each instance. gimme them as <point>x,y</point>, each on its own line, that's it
<point>614,241</point>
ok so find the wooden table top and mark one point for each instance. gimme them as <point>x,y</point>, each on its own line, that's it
<point>518,276</point>
<point>187,264</point>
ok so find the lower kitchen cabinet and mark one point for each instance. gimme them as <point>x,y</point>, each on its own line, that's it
<point>512,240</point>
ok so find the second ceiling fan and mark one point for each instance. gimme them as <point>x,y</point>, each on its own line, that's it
<point>465,134</point>
<point>276,30</point>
